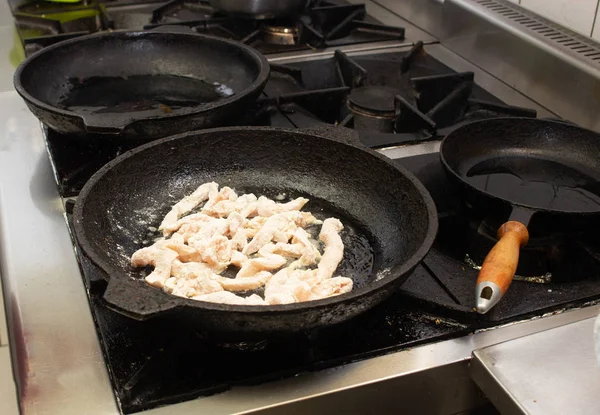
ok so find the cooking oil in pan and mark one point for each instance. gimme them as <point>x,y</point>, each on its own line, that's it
<point>150,94</point>
<point>537,183</point>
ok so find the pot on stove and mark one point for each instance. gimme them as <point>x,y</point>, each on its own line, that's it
<point>260,9</point>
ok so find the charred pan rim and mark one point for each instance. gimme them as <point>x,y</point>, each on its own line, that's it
<point>177,302</point>
<point>452,136</point>
<point>259,60</point>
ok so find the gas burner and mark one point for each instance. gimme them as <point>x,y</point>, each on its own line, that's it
<point>548,257</point>
<point>373,108</point>
<point>278,34</point>
<point>538,260</point>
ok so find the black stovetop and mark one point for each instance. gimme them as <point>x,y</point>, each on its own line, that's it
<point>330,23</point>
<point>306,94</point>
<point>158,362</point>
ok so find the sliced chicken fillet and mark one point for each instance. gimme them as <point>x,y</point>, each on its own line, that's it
<point>225,194</point>
<point>196,219</point>
<point>225,297</point>
<point>276,223</point>
<point>216,251</point>
<point>267,207</point>
<point>160,258</point>
<point>288,286</point>
<point>330,287</point>
<point>229,231</point>
<point>290,250</point>
<point>185,205</point>
<point>244,284</point>
<point>309,253</point>
<point>334,248</point>
<point>256,265</point>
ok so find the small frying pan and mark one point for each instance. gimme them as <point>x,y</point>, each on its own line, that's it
<point>544,176</point>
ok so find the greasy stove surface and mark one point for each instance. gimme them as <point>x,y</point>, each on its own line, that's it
<point>306,94</point>
<point>445,280</point>
<point>159,362</point>
<point>321,24</point>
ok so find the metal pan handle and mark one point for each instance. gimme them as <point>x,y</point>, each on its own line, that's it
<point>138,301</point>
<point>108,124</point>
<point>500,265</point>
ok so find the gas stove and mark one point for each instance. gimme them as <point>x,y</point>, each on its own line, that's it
<point>322,24</point>
<point>401,97</point>
<point>389,98</point>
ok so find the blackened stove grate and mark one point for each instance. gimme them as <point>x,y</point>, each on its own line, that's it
<point>321,24</point>
<point>158,362</point>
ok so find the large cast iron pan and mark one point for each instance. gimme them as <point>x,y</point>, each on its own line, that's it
<point>140,85</point>
<point>381,205</point>
<point>542,175</point>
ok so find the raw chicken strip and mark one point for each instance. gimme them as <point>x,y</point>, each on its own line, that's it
<point>267,207</point>
<point>190,287</point>
<point>330,287</point>
<point>236,221</point>
<point>225,297</point>
<point>222,203</point>
<point>202,245</point>
<point>210,229</point>
<point>334,248</point>
<point>243,205</point>
<point>254,266</point>
<point>244,284</point>
<point>160,258</point>
<point>194,219</point>
<point>293,250</point>
<point>287,286</point>
<point>185,252</point>
<point>277,223</point>
<point>310,254</point>
<point>240,240</point>
<point>216,251</point>
<point>238,259</point>
<point>185,205</point>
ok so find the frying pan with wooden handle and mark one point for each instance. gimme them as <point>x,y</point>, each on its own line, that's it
<point>543,176</point>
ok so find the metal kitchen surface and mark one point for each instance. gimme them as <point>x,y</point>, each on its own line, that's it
<point>102,362</point>
<point>519,376</point>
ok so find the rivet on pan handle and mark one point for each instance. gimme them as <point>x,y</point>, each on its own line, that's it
<point>500,265</point>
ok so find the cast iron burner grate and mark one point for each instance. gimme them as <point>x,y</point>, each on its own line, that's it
<point>308,94</point>
<point>322,24</point>
<point>446,281</point>
<point>159,362</point>
<point>390,99</point>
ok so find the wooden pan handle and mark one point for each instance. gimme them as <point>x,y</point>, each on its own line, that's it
<point>500,265</point>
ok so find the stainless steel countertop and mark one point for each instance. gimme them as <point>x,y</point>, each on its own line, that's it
<point>57,358</point>
<point>554,372</point>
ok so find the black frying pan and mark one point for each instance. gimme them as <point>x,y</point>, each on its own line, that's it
<point>140,85</point>
<point>541,175</point>
<point>390,219</point>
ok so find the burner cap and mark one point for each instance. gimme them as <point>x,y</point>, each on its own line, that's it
<point>281,33</point>
<point>373,100</point>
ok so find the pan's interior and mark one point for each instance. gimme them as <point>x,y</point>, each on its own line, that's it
<point>544,165</point>
<point>384,212</point>
<point>134,72</point>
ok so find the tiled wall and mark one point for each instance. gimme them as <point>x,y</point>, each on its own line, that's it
<point>579,15</point>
